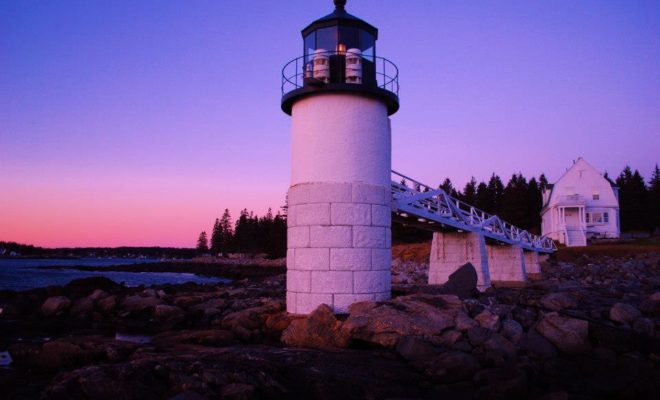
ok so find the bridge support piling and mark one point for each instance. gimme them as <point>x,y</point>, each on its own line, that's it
<point>451,250</point>
<point>532,264</point>
<point>507,263</point>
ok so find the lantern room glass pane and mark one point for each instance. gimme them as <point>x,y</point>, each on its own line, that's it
<point>349,36</point>
<point>326,38</point>
<point>367,45</point>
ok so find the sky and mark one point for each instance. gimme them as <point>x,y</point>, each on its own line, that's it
<point>138,122</point>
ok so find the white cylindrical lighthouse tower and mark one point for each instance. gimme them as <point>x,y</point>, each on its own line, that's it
<point>340,96</point>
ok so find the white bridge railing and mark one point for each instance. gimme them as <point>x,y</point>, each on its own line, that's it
<point>434,206</point>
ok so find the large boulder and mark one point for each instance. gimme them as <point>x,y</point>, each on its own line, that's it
<point>511,330</point>
<point>55,305</point>
<point>463,282</point>
<point>558,301</point>
<point>570,335</point>
<point>624,313</point>
<point>488,320</point>
<point>82,307</point>
<point>138,302</point>
<point>452,367</point>
<point>107,304</point>
<point>164,312</point>
<point>320,329</point>
<point>248,324</point>
<point>421,315</point>
<point>651,305</point>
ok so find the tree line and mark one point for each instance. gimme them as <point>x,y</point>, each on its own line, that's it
<point>248,234</point>
<point>518,202</point>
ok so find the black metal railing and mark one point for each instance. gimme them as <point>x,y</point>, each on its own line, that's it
<point>374,72</point>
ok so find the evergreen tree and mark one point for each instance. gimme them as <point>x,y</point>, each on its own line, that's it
<point>632,200</point>
<point>202,243</point>
<point>216,238</point>
<point>496,189</point>
<point>448,187</point>
<point>226,233</point>
<point>483,197</point>
<point>515,206</point>
<point>543,182</point>
<point>469,194</point>
<point>653,203</point>
<point>535,204</point>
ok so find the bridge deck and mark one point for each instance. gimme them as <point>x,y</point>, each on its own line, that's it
<point>437,209</point>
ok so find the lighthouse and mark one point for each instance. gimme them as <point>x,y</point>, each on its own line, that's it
<point>340,95</point>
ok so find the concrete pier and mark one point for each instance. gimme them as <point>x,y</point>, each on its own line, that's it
<point>506,263</point>
<point>451,250</point>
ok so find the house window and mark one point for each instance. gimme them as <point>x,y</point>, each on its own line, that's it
<point>587,217</point>
<point>606,218</point>
<point>596,196</point>
<point>597,218</point>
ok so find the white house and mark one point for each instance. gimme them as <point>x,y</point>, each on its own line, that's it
<point>581,205</point>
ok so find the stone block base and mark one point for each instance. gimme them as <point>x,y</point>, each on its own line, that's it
<point>339,245</point>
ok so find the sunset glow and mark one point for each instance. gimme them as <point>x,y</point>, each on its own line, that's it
<point>139,123</point>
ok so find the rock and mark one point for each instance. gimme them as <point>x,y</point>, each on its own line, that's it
<point>624,313</point>
<point>107,304</point>
<point>449,338</point>
<point>415,315</point>
<point>500,345</point>
<point>58,355</point>
<point>452,367</point>
<point>524,316</point>
<point>538,346</point>
<point>188,395</point>
<point>163,312</point>
<point>558,301</point>
<point>413,348</point>
<point>209,337</point>
<point>570,335</point>
<point>511,330</point>
<point>478,335</point>
<point>139,303</point>
<point>503,383</point>
<point>276,323</point>
<point>651,306</point>
<point>82,307</point>
<point>464,322</point>
<point>463,282</point>
<point>210,307</point>
<point>488,320</point>
<point>644,326</point>
<point>97,295</point>
<point>318,330</point>
<point>238,391</point>
<point>246,324</point>
<point>55,305</point>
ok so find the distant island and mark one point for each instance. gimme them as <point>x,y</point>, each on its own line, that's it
<point>13,249</point>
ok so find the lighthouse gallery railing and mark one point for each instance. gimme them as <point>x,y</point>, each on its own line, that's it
<point>386,73</point>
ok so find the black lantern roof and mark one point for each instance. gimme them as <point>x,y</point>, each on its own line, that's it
<point>340,17</point>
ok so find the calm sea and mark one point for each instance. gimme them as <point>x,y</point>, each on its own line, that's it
<point>21,274</point>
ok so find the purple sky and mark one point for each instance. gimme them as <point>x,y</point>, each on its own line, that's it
<point>137,123</point>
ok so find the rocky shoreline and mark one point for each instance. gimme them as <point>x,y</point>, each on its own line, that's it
<point>587,330</point>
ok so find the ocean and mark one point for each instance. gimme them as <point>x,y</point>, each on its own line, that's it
<point>22,273</point>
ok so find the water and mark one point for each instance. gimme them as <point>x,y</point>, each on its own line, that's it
<point>21,274</point>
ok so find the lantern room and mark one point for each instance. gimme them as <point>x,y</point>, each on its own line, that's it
<point>339,55</point>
